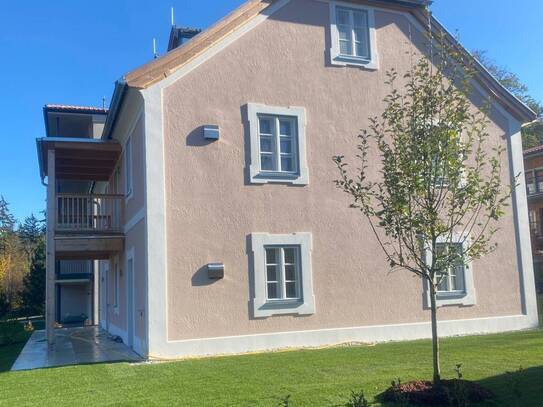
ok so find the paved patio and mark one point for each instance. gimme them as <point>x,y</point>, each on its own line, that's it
<point>73,346</point>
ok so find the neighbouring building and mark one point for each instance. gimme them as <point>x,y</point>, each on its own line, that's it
<point>198,214</point>
<point>533,165</point>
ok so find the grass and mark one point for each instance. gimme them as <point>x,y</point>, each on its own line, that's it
<point>12,340</point>
<point>323,377</point>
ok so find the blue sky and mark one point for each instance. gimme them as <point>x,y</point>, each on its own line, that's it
<point>71,52</point>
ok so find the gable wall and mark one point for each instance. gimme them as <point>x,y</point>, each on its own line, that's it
<point>212,209</point>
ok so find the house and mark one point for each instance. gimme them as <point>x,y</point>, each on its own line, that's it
<point>533,165</point>
<point>206,208</point>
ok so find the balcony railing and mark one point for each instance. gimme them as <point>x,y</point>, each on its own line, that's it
<point>96,213</point>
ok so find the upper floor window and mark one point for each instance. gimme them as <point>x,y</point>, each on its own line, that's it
<point>534,181</point>
<point>277,144</point>
<point>282,274</point>
<point>128,168</point>
<point>352,30</point>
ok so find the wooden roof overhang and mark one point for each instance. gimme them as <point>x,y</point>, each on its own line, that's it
<point>79,158</point>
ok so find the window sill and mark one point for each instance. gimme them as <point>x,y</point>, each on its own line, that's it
<point>347,60</point>
<point>455,298</point>
<point>264,177</point>
<point>283,307</point>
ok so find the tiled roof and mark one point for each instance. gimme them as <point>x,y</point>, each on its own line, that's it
<point>73,108</point>
<point>533,150</point>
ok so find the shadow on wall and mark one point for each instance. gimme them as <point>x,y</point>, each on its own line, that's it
<point>201,278</point>
<point>196,138</point>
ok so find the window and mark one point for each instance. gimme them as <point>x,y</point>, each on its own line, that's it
<point>352,30</point>
<point>455,285</point>
<point>452,280</point>
<point>277,144</point>
<point>278,148</point>
<point>282,274</point>
<point>128,168</point>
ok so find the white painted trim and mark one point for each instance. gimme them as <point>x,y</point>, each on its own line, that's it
<point>261,306</point>
<point>522,221</point>
<point>256,175</point>
<point>334,336</point>
<point>335,56</point>
<point>155,222</point>
<point>134,220</point>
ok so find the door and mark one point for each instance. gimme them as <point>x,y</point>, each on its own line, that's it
<point>130,299</point>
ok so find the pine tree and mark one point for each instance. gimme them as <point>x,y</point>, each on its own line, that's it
<point>30,233</point>
<point>33,293</point>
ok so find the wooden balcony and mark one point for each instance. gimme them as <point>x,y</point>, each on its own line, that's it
<point>88,226</point>
<point>89,214</point>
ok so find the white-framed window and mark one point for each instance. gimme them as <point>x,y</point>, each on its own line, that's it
<point>353,35</point>
<point>282,274</point>
<point>451,281</point>
<point>128,170</point>
<point>278,145</point>
<point>455,285</point>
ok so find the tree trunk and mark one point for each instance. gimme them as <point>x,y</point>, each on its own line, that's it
<point>435,339</point>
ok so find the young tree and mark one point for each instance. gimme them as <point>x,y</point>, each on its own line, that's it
<point>439,175</point>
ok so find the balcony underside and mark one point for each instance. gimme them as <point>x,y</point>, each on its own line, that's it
<point>84,247</point>
<point>79,159</point>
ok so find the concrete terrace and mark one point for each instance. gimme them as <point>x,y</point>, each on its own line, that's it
<point>73,346</point>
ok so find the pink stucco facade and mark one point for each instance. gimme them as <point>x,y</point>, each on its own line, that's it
<point>212,208</point>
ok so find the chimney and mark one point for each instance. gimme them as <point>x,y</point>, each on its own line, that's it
<point>180,35</point>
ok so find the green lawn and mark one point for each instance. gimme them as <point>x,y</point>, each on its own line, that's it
<point>321,377</point>
<point>12,340</point>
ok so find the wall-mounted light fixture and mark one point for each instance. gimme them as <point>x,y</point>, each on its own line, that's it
<point>211,132</point>
<point>215,271</point>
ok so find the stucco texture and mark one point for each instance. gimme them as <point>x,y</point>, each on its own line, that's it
<point>212,208</point>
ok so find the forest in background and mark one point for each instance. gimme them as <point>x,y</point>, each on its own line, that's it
<point>22,264</point>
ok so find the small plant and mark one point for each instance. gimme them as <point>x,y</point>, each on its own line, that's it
<point>285,401</point>
<point>400,397</point>
<point>459,396</point>
<point>357,400</point>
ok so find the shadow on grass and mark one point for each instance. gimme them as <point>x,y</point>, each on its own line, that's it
<point>521,388</point>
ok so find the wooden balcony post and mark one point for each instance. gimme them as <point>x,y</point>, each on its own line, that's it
<point>50,294</point>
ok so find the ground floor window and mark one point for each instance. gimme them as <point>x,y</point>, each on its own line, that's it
<point>455,285</point>
<point>282,274</point>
